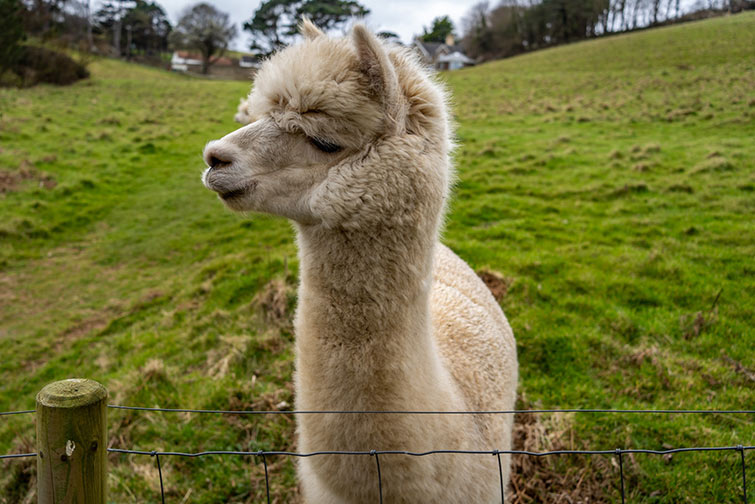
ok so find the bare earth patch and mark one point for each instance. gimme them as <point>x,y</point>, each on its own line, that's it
<point>10,180</point>
<point>497,283</point>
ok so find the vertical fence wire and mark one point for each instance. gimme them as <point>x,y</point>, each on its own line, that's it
<point>621,474</point>
<point>500,475</point>
<point>160,474</point>
<point>741,450</point>
<point>267,480</point>
<point>373,453</point>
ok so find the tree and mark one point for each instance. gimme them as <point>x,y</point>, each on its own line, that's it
<point>148,27</point>
<point>272,25</point>
<point>330,14</point>
<point>205,29</point>
<point>275,22</point>
<point>11,33</point>
<point>109,19</point>
<point>440,29</point>
<point>40,16</point>
<point>478,38</point>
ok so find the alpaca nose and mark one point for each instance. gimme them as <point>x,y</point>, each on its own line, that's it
<point>217,158</point>
<point>217,162</point>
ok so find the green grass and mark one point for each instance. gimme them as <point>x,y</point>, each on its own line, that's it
<point>611,182</point>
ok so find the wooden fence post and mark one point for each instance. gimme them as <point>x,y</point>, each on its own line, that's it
<point>72,443</point>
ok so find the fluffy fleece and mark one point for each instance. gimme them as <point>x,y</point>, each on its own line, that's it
<point>388,319</point>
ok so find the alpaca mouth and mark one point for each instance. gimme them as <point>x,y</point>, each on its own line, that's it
<point>235,193</point>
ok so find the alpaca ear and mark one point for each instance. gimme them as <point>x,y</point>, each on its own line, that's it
<point>375,64</point>
<point>309,30</point>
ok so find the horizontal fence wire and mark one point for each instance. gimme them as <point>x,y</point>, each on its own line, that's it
<point>17,455</point>
<point>259,453</point>
<point>8,413</point>
<point>414,412</point>
<point>420,412</point>
<point>618,452</point>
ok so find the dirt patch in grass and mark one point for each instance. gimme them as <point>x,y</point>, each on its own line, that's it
<point>11,180</point>
<point>497,283</point>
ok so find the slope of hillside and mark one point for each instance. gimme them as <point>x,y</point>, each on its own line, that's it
<point>610,182</point>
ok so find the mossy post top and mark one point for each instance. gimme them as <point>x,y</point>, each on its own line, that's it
<point>71,393</point>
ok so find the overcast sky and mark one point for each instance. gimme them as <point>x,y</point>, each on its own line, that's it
<point>404,17</point>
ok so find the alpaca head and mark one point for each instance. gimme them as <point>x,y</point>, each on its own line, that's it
<point>332,126</point>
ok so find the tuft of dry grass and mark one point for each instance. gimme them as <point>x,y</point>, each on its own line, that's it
<point>275,303</point>
<point>18,477</point>
<point>556,479</point>
<point>652,148</point>
<point>681,188</point>
<point>713,164</point>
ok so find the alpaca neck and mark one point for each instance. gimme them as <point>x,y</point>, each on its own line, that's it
<point>363,324</point>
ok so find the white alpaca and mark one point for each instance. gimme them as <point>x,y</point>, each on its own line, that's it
<point>242,113</point>
<point>349,138</point>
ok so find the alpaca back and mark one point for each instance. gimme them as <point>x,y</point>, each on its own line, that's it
<point>476,343</point>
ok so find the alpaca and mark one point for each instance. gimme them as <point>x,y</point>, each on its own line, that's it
<point>242,113</point>
<point>349,138</point>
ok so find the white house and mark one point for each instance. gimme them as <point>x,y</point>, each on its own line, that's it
<point>453,61</point>
<point>182,60</point>
<point>442,56</point>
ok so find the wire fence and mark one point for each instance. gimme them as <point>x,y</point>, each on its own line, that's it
<point>262,455</point>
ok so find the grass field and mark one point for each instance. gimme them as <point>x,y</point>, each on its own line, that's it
<point>609,182</point>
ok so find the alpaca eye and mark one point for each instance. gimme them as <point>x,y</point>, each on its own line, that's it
<point>324,145</point>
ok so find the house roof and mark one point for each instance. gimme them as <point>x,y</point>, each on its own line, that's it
<point>433,48</point>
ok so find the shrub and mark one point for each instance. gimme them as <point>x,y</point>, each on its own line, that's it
<point>11,33</point>
<point>37,64</point>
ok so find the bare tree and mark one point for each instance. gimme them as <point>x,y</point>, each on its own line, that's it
<point>205,29</point>
<point>477,36</point>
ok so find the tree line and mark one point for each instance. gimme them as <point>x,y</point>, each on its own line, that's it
<point>141,28</point>
<point>516,26</point>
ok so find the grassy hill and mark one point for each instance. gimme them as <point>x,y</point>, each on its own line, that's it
<point>610,183</point>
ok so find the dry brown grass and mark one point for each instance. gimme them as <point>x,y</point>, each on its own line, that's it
<point>556,479</point>
<point>273,302</point>
<point>18,477</point>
